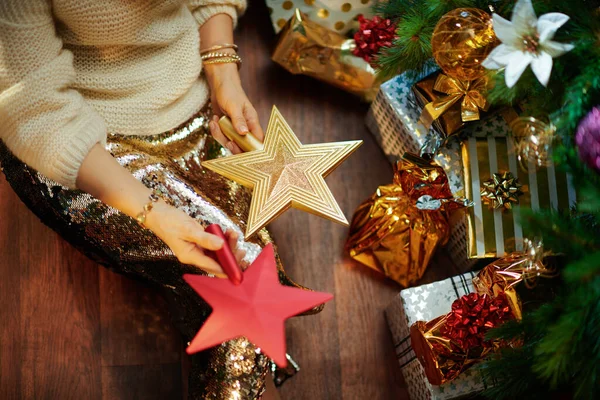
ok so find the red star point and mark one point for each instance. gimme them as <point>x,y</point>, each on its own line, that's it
<point>255,309</point>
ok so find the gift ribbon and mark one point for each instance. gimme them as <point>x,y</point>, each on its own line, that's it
<point>472,94</point>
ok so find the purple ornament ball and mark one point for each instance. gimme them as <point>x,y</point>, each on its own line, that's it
<point>587,139</point>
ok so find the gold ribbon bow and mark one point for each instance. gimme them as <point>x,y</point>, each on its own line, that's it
<point>472,94</point>
<point>501,190</point>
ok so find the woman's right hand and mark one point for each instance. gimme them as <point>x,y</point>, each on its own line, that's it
<point>104,178</point>
<point>187,238</point>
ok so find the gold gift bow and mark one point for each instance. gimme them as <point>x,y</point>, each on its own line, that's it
<point>472,94</point>
<point>501,190</point>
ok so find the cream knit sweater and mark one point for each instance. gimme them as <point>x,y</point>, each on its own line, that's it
<point>73,70</point>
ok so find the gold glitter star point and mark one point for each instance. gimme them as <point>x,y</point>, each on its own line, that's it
<point>286,173</point>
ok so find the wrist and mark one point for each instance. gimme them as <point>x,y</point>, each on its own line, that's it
<point>216,74</point>
<point>155,216</point>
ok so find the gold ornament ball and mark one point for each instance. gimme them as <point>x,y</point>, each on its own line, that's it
<point>461,40</point>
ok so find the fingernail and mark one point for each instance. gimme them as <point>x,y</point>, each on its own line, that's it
<point>229,146</point>
<point>216,274</point>
<point>211,125</point>
<point>243,129</point>
<point>217,241</point>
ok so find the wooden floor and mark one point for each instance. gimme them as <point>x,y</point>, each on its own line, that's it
<point>69,329</point>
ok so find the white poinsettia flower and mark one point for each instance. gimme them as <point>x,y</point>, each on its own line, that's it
<point>526,40</point>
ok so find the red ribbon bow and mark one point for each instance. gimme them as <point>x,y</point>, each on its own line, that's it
<point>372,35</point>
<point>472,316</point>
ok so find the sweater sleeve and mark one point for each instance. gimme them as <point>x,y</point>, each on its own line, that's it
<point>202,10</point>
<point>45,122</point>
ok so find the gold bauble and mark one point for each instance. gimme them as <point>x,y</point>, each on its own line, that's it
<point>533,141</point>
<point>461,40</point>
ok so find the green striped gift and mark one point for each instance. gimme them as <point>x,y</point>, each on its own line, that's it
<point>496,232</point>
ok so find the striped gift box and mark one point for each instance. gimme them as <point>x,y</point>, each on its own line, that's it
<point>494,233</point>
<point>424,303</point>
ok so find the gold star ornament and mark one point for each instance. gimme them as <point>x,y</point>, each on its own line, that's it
<point>285,173</point>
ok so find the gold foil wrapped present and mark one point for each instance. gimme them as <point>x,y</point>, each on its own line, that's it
<point>451,343</point>
<point>502,276</point>
<point>397,230</point>
<point>307,48</point>
<point>448,103</point>
<point>492,157</point>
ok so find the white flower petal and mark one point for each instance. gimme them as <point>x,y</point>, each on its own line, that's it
<point>504,30</point>
<point>541,65</point>
<point>523,17</point>
<point>491,64</point>
<point>518,63</point>
<point>499,57</point>
<point>556,49</point>
<point>548,24</point>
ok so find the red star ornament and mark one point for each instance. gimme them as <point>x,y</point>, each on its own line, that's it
<point>256,308</point>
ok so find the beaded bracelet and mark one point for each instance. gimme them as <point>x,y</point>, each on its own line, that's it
<point>141,217</point>
<point>210,55</point>
<point>224,60</point>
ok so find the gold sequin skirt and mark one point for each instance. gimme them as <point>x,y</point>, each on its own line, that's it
<point>170,162</point>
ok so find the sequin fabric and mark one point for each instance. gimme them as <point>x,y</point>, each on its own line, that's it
<point>171,163</point>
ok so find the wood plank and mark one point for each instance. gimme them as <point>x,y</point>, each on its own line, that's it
<point>10,294</point>
<point>135,326</point>
<point>59,312</point>
<point>142,382</point>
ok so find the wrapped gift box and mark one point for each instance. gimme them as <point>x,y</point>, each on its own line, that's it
<point>308,48</point>
<point>424,303</point>
<point>336,15</point>
<point>393,119</point>
<point>496,232</point>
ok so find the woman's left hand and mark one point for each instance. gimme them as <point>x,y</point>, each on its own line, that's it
<point>228,98</point>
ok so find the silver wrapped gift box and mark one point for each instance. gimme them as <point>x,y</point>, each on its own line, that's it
<point>424,303</point>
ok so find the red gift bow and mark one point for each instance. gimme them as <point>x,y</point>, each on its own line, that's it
<point>372,35</point>
<point>471,317</point>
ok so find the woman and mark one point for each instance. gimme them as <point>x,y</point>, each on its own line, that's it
<point>104,107</point>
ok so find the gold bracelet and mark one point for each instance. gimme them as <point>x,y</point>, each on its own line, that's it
<point>141,217</point>
<point>219,55</point>
<point>219,47</point>
<point>224,60</point>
